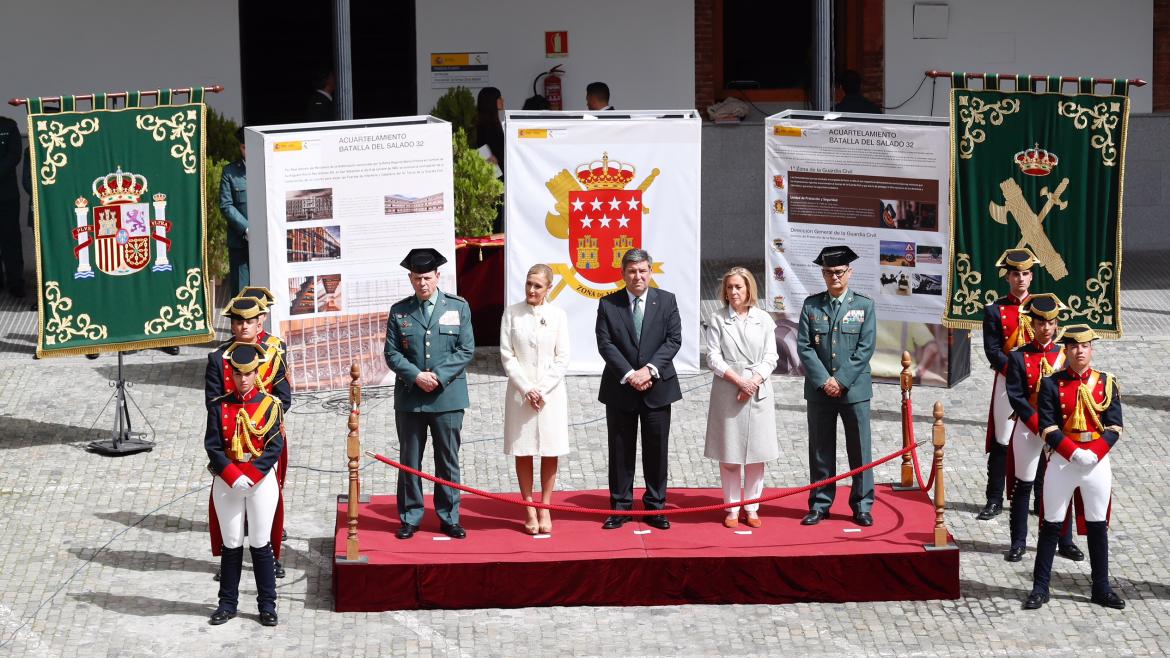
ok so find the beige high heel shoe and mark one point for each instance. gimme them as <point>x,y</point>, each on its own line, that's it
<point>531,525</point>
<point>545,521</point>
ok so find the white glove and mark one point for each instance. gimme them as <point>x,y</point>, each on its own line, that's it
<point>1084,457</point>
<point>243,483</point>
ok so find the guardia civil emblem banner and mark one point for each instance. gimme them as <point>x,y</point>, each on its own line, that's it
<point>118,202</point>
<point>1042,170</point>
<point>582,191</point>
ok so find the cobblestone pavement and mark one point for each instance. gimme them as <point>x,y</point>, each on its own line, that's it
<point>105,556</point>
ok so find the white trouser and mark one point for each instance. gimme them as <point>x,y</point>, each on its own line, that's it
<point>1001,411</point>
<point>259,502</point>
<point>1063,477</point>
<point>1026,451</point>
<point>742,482</point>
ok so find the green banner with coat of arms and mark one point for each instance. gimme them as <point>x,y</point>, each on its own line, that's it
<point>119,208</point>
<point>1043,171</point>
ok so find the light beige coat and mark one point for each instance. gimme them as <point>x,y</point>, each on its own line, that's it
<point>741,432</point>
<point>534,347</point>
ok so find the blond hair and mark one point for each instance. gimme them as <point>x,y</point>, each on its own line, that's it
<point>748,280</point>
<point>543,270</point>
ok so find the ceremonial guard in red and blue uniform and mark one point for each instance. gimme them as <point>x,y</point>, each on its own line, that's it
<point>243,443</point>
<point>1080,420</point>
<point>1004,329</point>
<point>1027,367</point>
<point>247,325</point>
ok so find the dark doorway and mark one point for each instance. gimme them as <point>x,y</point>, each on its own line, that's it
<point>281,49</point>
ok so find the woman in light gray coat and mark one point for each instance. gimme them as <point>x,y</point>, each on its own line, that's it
<point>741,421</point>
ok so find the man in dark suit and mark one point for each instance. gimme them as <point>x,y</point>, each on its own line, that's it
<point>638,333</point>
<point>837,336</point>
<point>11,249</point>
<point>321,106</point>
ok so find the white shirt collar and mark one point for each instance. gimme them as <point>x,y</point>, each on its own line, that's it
<point>325,94</point>
<point>630,296</point>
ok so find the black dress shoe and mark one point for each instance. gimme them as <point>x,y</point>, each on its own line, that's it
<point>1071,552</point>
<point>268,619</point>
<point>657,521</point>
<point>172,350</point>
<point>283,535</point>
<point>221,616</point>
<point>1035,601</point>
<point>615,521</point>
<point>864,519</point>
<point>1015,554</point>
<point>991,510</point>
<point>454,530</point>
<point>278,568</point>
<point>812,518</point>
<point>406,531</point>
<point>1109,600</point>
<point>216,576</point>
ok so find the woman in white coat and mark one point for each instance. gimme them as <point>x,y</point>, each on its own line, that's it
<point>534,346</point>
<point>741,421</point>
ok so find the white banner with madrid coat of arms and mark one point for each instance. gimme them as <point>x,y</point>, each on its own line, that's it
<point>584,188</point>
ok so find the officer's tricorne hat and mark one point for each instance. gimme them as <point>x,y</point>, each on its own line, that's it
<point>1021,260</point>
<point>264,295</point>
<point>244,308</point>
<point>1078,333</point>
<point>835,256</point>
<point>245,357</point>
<point>1046,306</point>
<point>421,261</point>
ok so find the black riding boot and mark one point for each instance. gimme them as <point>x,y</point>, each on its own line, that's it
<point>996,479</point>
<point>1045,552</point>
<point>1103,594</point>
<point>231,563</point>
<point>1021,496</point>
<point>263,569</point>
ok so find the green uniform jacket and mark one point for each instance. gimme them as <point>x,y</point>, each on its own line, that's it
<point>444,346</point>
<point>838,346</point>
<point>233,202</point>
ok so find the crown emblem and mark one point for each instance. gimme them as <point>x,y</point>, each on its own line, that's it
<point>605,175</point>
<point>1036,161</point>
<point>119,187</point>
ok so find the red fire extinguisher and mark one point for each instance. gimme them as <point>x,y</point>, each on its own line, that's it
<point>552,86</point>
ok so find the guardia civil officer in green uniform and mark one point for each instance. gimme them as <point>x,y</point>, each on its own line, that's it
<point>233,203</point>
<point>838,332</point>
<point>429,343</point>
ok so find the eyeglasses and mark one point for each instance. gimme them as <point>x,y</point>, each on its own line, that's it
<point>837,274</point>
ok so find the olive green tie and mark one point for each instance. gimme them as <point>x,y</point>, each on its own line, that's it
<point>428,306</point>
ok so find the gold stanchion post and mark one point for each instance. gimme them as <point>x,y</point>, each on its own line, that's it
<point>906,383</point>
<point>941,536</point>
<point>353,451</point>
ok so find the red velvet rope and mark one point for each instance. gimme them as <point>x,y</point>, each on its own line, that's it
<point>783,493</point>
<point>908,423</point>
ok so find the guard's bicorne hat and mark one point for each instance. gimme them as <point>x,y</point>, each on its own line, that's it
<point>1045,306</point>
<point>1021,260</point>
<point>264,295</point>
<point>835,256</point>
<point>1078,333</point>
<point>421,261</point>
<point>245,357</point>
<point>244,308</point>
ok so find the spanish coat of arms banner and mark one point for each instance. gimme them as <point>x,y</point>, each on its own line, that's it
<point>1042,170</point>
<point>118,202</point>
<point>582,191</point>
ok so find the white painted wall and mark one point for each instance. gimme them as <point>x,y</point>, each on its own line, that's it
<point>54,47</point>
<point>644,50</point>
<point>1045,37</point>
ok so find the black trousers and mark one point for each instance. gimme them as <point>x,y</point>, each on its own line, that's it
<point>623,454</point>
<point>11,250</point>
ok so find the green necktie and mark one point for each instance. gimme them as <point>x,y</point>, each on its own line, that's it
<point>835,305</point>
<point>638,317</point>
<point>428,306</point>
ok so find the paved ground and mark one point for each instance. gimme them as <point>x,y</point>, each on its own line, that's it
<point>107,556</point>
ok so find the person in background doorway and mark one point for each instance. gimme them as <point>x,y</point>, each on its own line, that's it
<point>489,132</point>
<point>233,202</point>
<point>321,106</point>
<point>853,101</point>
<point>597,97</point>
<point>11,248</point>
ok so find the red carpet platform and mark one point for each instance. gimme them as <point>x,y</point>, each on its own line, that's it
<point>696,561</point>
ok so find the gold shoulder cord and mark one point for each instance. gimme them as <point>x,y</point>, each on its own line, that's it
<point>1086,407</point>
<point>267,374</point>
<point>248,426</point>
